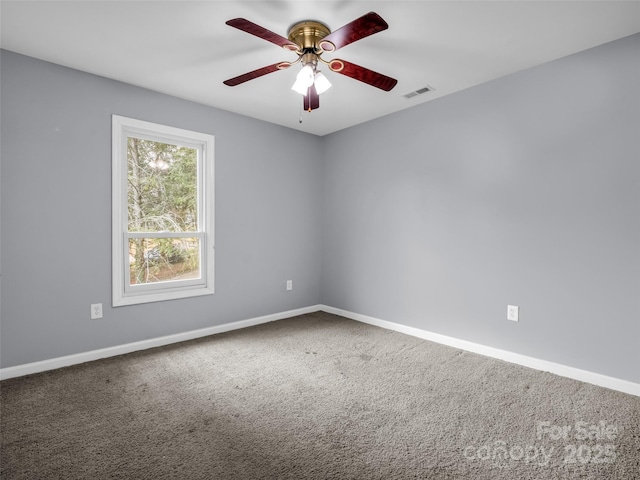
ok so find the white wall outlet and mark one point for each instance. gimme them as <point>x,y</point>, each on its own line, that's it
<point>289,285</point>
<point>513,312</point>
<point>96,311</point>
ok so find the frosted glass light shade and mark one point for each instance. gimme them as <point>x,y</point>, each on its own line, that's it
<point>322,83</point>
<point>304,80</point>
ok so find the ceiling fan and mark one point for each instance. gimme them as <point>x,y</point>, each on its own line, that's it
<point>309,39</point>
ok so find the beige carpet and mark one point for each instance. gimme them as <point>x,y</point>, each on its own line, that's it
<point>313,397</point>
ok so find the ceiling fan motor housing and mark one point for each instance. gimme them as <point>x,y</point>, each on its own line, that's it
<point>308,34</point>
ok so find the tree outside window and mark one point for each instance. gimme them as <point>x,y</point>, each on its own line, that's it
<point>161,197</point>
<point>163,212</point>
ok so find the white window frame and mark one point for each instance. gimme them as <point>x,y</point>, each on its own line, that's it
<point>123,292</point>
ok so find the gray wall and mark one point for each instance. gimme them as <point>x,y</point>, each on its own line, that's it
<point>56,214</point>
<point>524,190</point>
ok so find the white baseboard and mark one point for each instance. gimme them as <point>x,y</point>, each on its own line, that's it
<point>67,360</point>
<point>613,383</point>
<point>598,379</point>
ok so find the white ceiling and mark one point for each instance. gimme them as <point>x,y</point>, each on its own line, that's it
<point>184,48</point>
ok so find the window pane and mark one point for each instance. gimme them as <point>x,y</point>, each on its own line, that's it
<point>162,188</point>
<point>153,260</point>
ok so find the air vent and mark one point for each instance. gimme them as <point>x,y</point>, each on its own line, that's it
<point>420,91</point>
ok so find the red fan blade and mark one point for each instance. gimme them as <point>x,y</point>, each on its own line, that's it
<point>261,32</point>
<point>311,100</point>
<point>362,74</point>
<point>358,29</point>
<point>232,82</point>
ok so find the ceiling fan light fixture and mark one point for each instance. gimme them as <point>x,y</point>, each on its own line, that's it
<point>322,83</point>
<point>299,88</point>
<point>304,80</point>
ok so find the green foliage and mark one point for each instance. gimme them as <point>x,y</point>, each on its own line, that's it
<point>162,197</point>
<point>162,187</point>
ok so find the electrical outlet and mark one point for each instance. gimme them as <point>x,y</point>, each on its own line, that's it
<point>513,312</point>
<point>289,285</point>
<point>96,311</point>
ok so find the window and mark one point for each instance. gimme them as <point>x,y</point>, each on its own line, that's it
<point>162,183</point>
